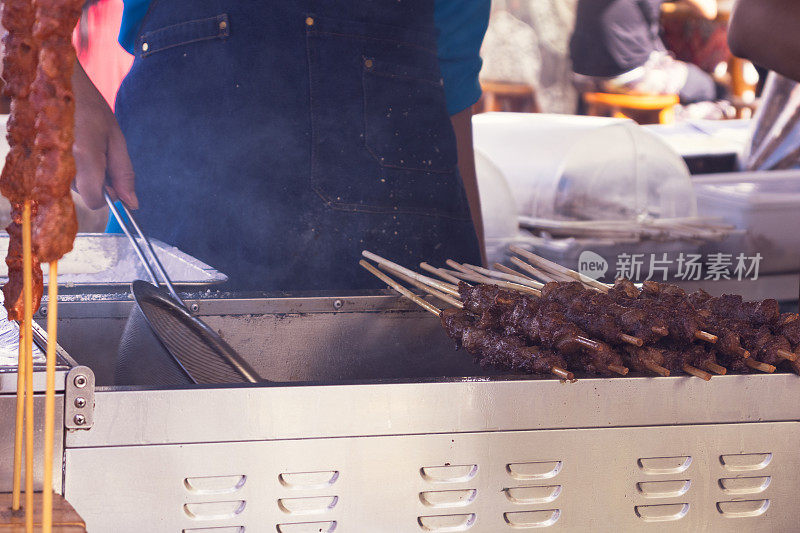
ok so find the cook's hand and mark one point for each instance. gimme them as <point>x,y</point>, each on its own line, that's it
<point>101,155</point>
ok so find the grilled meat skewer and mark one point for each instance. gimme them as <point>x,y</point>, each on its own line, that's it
<point>542,323</point>
<point>500,351</point>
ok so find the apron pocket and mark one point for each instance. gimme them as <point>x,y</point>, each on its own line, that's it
<point>191,31</point>
<point>403,116</point>
<point>382,141</point>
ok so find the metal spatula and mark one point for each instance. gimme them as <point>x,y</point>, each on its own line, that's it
<point>198,350</point>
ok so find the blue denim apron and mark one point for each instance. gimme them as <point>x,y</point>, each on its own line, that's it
<point>276,140</point>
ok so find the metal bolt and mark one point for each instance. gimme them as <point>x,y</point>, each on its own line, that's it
<point>79,420</point>
<point>80,381</point>
<point>43,311</point>
<point>194,308</point>
<point>337,304</point>
<point>80,402</point>
<point>145,47</point>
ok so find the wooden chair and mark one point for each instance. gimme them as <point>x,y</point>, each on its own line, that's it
<point>504,96</point>
<point>644,109</point>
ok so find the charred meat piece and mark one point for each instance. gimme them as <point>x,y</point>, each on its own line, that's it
<point>496,350</point>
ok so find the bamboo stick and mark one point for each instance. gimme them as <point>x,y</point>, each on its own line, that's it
<point>399,288</point>
<point>558,269</point>
<point>50,397</point>
<point>619,369</point>
<point>507,270</point>
<point>702,374</point>
<point>444,287</point>
<point>27,294</point>
<point>18,425</point>
<point>658,369</point>
<point>441,273</point>
<point>758,365</point>
<point>430,290</point>
<point>716,368</point>
<point>535,272</point>
<point>704,336</point>
<point>505,276</point>
<point>478,278</point>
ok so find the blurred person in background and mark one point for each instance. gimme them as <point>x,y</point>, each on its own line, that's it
<point>616,48</point>
<point>765,32</point>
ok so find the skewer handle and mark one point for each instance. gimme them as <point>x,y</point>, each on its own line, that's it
<point>705,336</point>
<point>630,339</point>
<point>660,330</point>
<point>716,368</point>
<point>785,354</point>
<point>399,288</point>
<point>441,273</point>
<point>702,374</point>
<point>658,369</point>
<point>50,397</point>
<point>535,272</point>
<point>449,300</point>
<point>506,277</point>
<point>561,373</point>
<point>758,365</point>
<point>444,287</point>
<point>619,369</point>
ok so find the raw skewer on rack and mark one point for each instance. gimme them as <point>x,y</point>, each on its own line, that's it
<point>489,348</point>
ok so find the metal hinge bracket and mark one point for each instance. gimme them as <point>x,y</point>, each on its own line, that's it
<point>79,398</point>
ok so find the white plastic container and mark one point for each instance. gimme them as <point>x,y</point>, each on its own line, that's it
<point>766,204</point>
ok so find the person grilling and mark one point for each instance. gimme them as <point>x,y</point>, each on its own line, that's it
<point>276,142</point>
<point>616,48</point>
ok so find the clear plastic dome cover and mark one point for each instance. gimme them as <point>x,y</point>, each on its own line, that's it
<point>586,168</point>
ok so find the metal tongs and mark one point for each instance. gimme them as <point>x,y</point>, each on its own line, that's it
<point>202,355</point>
<point>150,272</point>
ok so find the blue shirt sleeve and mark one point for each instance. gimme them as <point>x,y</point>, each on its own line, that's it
<point>132,14</point>
<point>461,25</point>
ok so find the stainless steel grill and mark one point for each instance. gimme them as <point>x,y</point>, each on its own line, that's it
<point>383,432</point>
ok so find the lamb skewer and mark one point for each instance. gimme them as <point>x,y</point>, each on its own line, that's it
<point>489,347</point>
<point>542,323</point>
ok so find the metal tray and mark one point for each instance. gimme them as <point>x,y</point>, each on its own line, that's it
<point>108,260</point>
